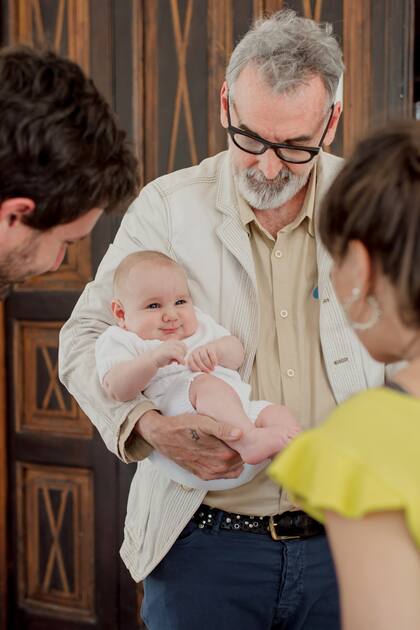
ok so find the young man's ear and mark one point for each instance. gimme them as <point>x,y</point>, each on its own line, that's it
<point>12,210</point>
<point>119,312</point>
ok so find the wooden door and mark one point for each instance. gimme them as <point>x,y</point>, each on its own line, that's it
<point>160,63</point>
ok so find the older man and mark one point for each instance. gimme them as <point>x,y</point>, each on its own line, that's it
<point>243,224</point>
<point>63,161</point>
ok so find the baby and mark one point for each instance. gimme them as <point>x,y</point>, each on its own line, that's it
<point>185,362</point>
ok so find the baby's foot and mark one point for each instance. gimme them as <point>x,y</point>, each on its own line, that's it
<point>274,428</point>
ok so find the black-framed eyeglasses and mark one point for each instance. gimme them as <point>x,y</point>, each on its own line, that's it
<point>252,143</point>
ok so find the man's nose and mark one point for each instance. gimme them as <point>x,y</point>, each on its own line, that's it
<point>269,164</point>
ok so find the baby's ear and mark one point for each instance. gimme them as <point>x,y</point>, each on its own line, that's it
<point>118,312</point>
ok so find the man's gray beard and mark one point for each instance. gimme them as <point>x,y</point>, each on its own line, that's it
<point>265,194</point>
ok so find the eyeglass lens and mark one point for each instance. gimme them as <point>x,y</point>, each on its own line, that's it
<point>252,145</point>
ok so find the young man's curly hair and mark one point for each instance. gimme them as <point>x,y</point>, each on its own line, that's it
<point>59,141</point>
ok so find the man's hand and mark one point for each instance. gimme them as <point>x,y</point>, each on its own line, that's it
<point>168,352</point>
<point>194,442</point>
<point>203,359</point>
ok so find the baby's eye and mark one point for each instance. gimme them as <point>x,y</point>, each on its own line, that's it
<point>153,305</point>
<point>179,302</point>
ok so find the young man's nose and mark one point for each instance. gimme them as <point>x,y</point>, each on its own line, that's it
<point>269,164</point>
<point>59,259</point>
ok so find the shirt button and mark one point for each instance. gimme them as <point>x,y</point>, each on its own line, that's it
<point>278,253</point>
<point>290,372</point>
<point>284,313</point>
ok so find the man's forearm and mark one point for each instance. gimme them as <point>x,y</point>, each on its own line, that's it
<point>148,424</point>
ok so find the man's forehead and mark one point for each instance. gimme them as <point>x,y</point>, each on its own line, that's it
<point>279,117</point>
<point>251,88</point>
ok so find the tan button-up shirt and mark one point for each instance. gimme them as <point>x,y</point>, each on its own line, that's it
<point>289,367</point>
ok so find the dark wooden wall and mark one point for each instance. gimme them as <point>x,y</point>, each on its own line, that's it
<point>160,63</point>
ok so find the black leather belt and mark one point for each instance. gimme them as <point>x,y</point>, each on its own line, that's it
<point>286,526</point>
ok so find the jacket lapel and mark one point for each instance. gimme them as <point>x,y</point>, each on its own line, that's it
<point>235,239</point>
<point>231,231</point>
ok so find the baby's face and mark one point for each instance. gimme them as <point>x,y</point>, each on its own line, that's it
<point>159,304</point>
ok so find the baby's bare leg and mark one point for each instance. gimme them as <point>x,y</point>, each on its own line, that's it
<point>273,430</point>
<point>211,396</point>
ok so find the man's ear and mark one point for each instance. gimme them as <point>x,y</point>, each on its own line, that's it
<point>332,128</point>
<point>223,104</point>
<point>12,210</point>
<point>118,312</point>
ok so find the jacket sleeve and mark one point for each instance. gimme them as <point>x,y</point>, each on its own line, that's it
<point>145,226</point>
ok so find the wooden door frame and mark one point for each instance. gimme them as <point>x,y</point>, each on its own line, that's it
<point>3,475</point>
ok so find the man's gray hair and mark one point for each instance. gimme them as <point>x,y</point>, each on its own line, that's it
<point>288,50</point>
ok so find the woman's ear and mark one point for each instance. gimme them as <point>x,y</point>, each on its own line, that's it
<point>359,267</point>
<point>352,274</point>
<point>119,312</point>
<point>12,210</point>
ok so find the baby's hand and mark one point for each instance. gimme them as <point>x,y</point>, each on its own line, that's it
<point>170,351</point>
<point>203,359</point>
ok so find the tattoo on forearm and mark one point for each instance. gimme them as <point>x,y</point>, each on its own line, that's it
<point>194,435</point>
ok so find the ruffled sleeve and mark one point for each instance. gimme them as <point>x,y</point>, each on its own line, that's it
<point>363,459</point>
<point>322,476</point>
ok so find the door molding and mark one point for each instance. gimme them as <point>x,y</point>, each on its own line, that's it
<point>3,475</point>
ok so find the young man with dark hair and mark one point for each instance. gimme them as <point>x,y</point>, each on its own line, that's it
<point>63,161</point>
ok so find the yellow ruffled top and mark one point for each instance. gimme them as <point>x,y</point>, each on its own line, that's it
<point>364,458</point>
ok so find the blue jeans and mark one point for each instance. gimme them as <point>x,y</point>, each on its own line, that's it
<point>215,579</point>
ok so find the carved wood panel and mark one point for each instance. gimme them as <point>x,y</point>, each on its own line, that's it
<point>42,402</point>
<point>176,133</point>
<point>161,63</point>
<point>56,542</point>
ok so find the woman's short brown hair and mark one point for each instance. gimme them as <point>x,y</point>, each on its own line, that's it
<point>376,200</point>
